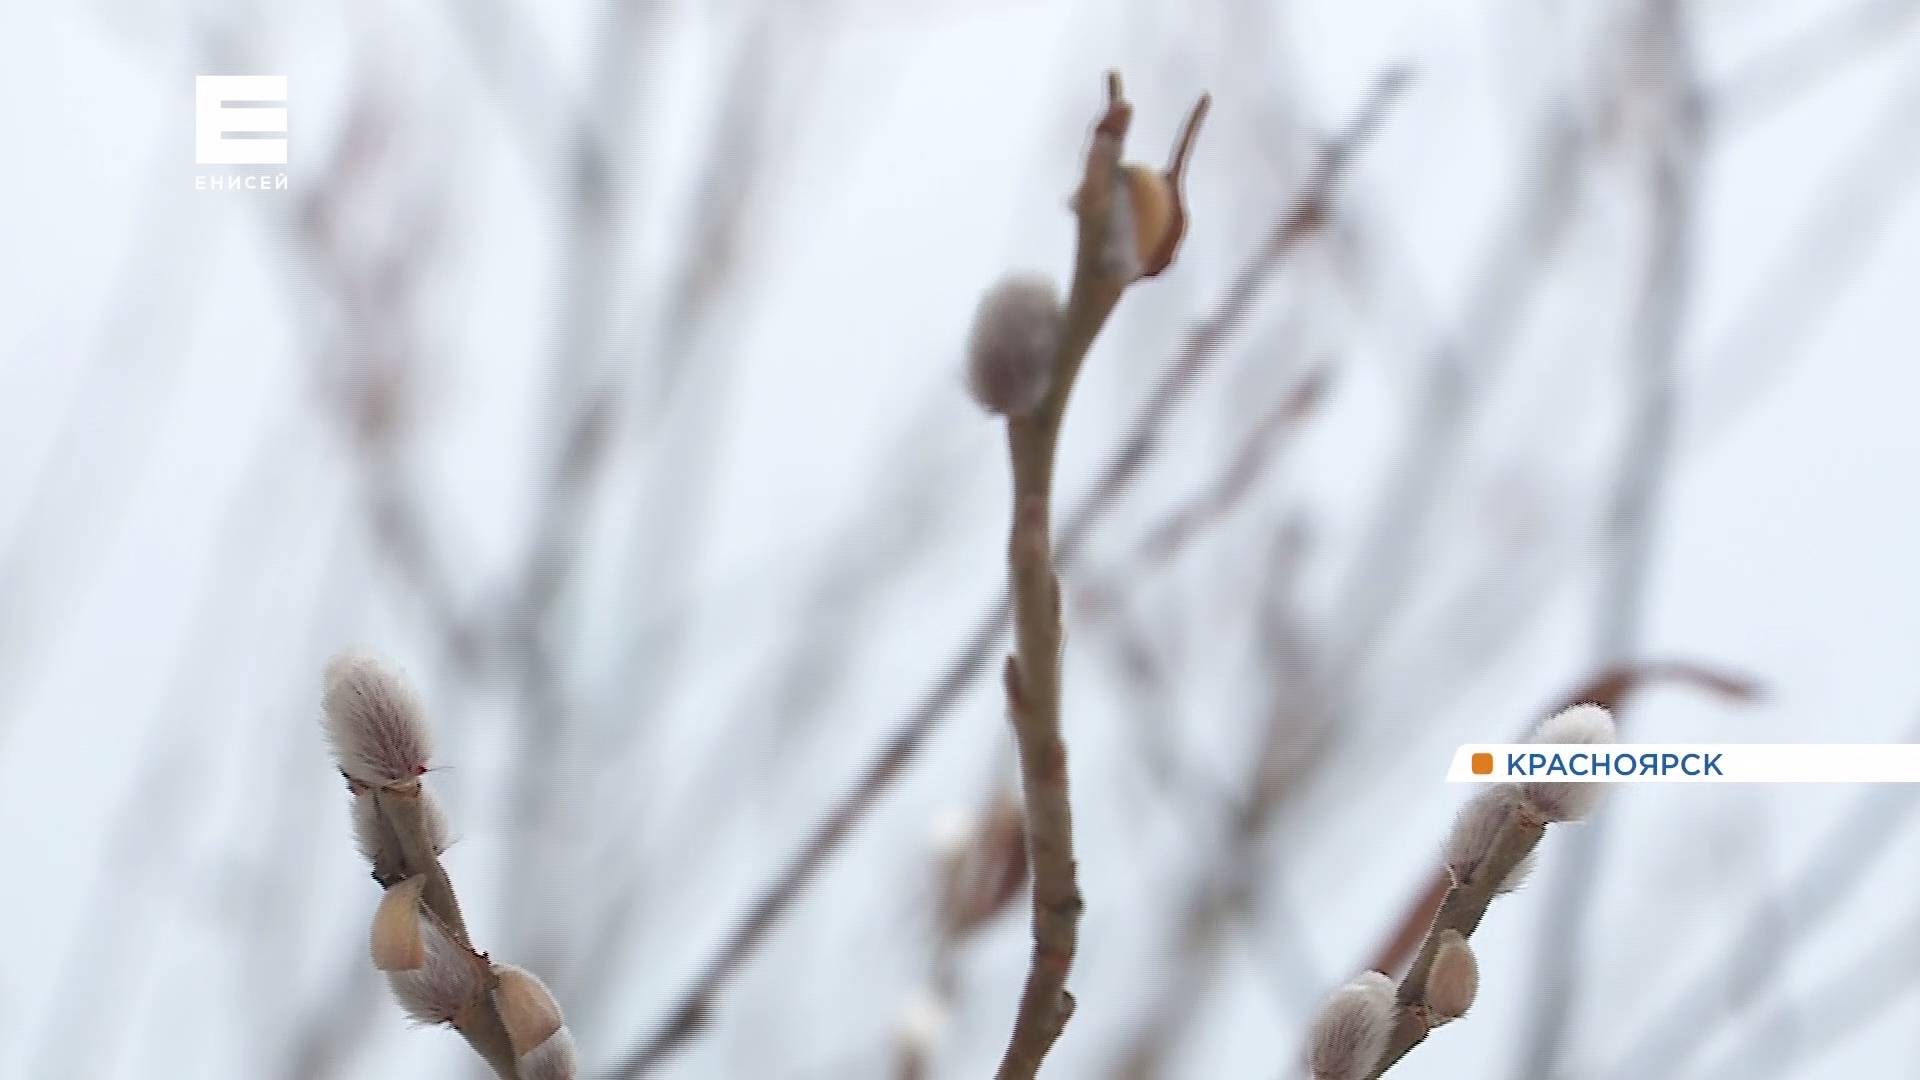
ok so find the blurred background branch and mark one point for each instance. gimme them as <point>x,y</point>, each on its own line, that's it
<point>599,364</point>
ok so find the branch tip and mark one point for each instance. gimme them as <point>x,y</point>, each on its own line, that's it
<point>1183,145</point>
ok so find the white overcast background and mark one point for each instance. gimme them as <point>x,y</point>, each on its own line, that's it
<point>183,537</point>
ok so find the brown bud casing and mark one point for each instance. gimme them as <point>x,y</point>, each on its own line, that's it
<point>396,941</point>
<point>1158,199</point>
<point>526,1006</point>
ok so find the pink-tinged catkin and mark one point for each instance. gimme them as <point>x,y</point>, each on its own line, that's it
<point>1352,1029</point>
<point>375,725</point>
<point>1518,876</point>
<point>1454,979</point>
<point>1587,725</point>
<point>1012,346</point>
<point>1476,829</point>
<point>982,868</point>
<point>448,980</point>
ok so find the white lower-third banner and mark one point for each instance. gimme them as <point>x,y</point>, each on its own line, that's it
<point>1688,763</point>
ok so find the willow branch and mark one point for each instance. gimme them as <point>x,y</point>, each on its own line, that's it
<point>407,850</point>
<point>1033,672</point>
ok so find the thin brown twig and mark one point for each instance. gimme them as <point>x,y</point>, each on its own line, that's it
<point>1460,911</point>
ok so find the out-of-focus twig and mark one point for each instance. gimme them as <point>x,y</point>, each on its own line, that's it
<point>1784,74</point>
<point>110,417</point>
<point>1778,1039</point>
<point>1461,366</point>
<point>111,947</point>
<point>1102,593</point>
<point>1667,104</point>
<point>1840,859</point>
<point>1296,717</point>
<point>1823,251</point>
<point>365,377</point>
<point>864,561</point>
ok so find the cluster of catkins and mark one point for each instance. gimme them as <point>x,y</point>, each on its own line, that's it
<point>1491,848</point>
<point>382,745</point>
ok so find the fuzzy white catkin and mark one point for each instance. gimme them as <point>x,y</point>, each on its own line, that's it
<point>1352,1029</point>
<point>1476,828</point>
<point>368,835</point>
<point>448,981</point>
<point>1518,876</point>
<point>374,723</point>
<point>1454,979</point>
<point>1589,725</point>
<point>1012,345</point>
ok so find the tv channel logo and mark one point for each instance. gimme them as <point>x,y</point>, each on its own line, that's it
<point>240,119</point>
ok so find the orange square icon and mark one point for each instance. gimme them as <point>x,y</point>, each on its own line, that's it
<point>1483,764</point>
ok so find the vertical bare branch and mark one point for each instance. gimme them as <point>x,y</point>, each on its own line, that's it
<point>1033,672</point>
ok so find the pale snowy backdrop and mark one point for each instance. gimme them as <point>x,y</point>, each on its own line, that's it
<point>599,367</point>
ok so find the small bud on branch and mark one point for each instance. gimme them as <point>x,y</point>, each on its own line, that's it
<point>1454,980</point>
<point>398,943</point>
<point>1013,344</point>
